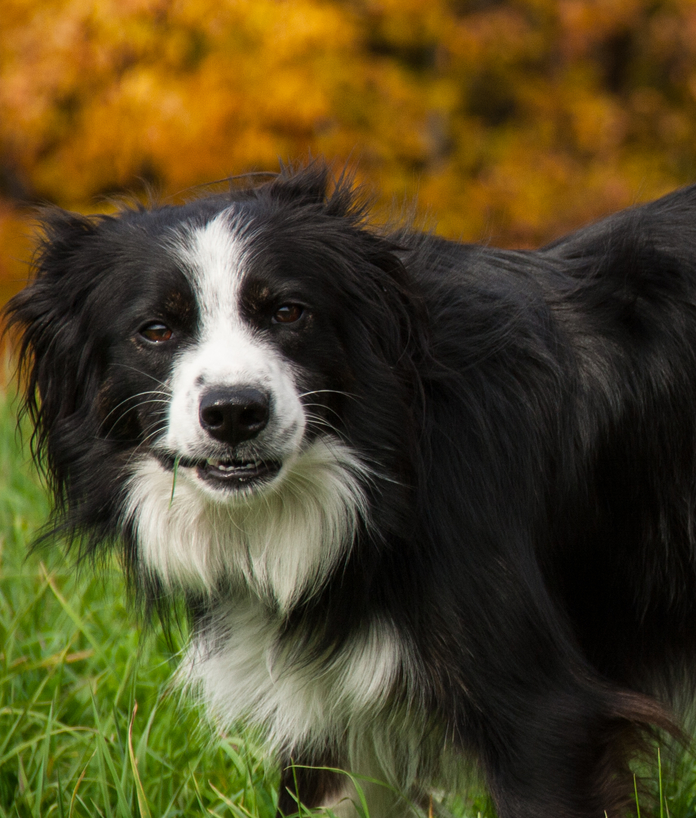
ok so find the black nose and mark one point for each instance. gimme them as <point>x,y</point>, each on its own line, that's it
<point>233,414</point>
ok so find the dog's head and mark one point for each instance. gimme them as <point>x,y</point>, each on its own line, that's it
<point>225,348</point>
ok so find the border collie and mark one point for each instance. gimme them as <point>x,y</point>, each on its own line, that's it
<point>425,502</point>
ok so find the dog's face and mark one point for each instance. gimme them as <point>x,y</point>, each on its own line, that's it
<point>241,365</point>
<point>215,373</point>
<point>235,415</point>
<point>218,345</point>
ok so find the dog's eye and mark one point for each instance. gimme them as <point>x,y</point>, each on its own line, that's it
<point>288,314</point>
<point>156,332</point>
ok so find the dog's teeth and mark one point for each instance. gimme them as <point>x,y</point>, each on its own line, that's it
<point>224,465</point>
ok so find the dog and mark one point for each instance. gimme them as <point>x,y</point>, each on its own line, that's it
<point>428,505</point>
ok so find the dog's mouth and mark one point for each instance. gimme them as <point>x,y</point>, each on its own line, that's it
<point>230,473</point>
<point>236,473</point>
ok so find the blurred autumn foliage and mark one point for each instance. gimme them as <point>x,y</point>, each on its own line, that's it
<point>512,120</point>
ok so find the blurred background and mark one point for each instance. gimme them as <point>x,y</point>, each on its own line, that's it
<point>510,120</point>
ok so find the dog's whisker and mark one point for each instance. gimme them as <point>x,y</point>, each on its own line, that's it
<point>327,391</point>
<point>165,386</point>
<point>324,408</point>
<point>165,400</point>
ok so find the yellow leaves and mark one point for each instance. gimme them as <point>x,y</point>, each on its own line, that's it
<point>584,23</point>
<point>500,35</point>
<point>15,250</point>
<point>113,90</point>
<point>405,22</point>
<point>513,120</point>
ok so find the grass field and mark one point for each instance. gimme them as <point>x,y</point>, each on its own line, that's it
<point>89,724</point>
<point>73,668</point>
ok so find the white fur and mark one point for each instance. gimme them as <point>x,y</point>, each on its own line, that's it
<point>280,541</point>
<point>228,353</point>
<point>243,676</point>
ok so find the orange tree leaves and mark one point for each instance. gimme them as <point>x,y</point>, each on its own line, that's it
<point>513,121</point>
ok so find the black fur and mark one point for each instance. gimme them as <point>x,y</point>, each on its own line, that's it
<point>532,420</point>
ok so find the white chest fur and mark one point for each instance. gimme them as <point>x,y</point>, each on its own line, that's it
<point>242,675</point>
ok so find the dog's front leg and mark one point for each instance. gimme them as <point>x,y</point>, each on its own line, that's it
<point>310,783</point>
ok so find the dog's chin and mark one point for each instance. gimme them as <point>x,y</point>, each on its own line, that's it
<point>222,477</point>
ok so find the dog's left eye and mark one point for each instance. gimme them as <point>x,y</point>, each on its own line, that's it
<point>288,314</point>
<point>156,332</point>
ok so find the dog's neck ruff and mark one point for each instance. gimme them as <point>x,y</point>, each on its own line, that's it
<point>282,542</point>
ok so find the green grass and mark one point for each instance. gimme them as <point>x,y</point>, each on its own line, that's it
<point>89,723</point>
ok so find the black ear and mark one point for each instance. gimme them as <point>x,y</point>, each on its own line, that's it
<point>317,185</point>
<point>54,359</point>
<point>300,186</point>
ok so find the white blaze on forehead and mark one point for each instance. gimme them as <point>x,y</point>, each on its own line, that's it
<point>228,352</point>
<point>214,259</point>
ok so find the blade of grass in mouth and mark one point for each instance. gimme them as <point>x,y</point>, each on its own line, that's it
<point>175,470</point>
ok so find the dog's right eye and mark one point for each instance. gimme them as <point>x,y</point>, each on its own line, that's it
<point>156,332</point>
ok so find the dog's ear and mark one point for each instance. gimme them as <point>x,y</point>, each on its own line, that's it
<point>46,317</point>
<point>317,185</point>
<point>300,186</point>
